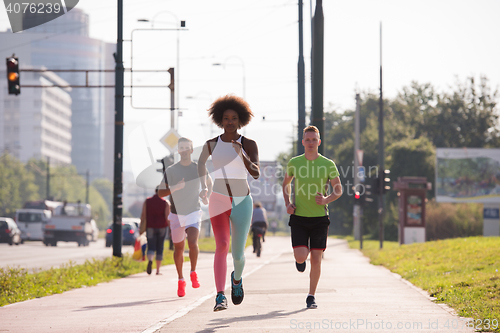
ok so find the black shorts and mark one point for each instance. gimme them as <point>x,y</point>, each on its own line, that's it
<point>311,232</point>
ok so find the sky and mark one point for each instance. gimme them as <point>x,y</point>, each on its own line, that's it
<point>255,43</point>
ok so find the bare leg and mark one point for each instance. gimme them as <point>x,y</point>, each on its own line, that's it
<point>158,264</point>
<point>300,253</point>
<point>315,270</point>
<point>192,237</point>
<point>179,257</point>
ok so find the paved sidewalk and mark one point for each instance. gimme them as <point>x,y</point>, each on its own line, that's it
<point>353,296</point>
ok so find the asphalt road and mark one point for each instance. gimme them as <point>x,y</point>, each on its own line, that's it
<point>36,256</point>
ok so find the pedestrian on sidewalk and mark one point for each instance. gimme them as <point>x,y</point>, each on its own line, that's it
<point>259,227</point>
<point>309,220</point>
<point>154,221</point>
<point>186,215</point>
<point>234,157</point>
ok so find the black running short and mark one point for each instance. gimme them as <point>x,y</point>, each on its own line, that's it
<point>311,232</point>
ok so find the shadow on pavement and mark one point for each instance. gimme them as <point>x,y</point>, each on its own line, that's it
<point>126,305</point>
<point>224,322</point>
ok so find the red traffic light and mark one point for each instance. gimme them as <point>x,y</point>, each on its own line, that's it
<point>13,82</point>
<point>357,196</point>
<point>12,63</point>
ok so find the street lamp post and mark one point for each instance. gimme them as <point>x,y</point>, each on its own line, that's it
<point>177,65</point>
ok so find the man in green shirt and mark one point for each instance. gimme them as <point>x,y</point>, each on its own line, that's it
<point>309,220</point>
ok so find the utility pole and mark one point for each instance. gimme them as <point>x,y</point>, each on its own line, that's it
<point>118,158</point>
<point>48,178</point>
<point>357,208</point>
<point>381,153</point>
<point>301,85</point>
<point>172,98</point>
<point>317,70</point>
<point>88,184</point>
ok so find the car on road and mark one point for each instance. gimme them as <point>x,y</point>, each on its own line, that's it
<point>134,220</point>
<point>129,233</point>
<point>9,231</point>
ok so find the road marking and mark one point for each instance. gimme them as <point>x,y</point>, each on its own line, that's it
<point>180,313</point>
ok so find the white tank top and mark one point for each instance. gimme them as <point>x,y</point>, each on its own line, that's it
<point>227,163</point>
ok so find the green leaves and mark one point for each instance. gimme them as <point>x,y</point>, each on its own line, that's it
<point>16,185</point>
<point>416,121</point>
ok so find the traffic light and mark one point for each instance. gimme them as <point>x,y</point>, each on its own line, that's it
<point>13,75</point>
<point>387,181</point>
<point>358,198</point>
<point>367,195</point>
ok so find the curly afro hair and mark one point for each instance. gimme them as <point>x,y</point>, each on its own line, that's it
<point>230,102</point>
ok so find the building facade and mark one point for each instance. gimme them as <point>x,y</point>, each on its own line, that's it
<point>64,44</point>
<point>38,124</point>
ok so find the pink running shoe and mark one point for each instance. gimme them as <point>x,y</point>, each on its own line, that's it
<point>194,280</point>
<point>181,290</point>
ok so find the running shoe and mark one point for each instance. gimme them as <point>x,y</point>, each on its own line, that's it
<point>236,291</point>
<point>311,302</point>
<point>194,280</point>
<point>300,267</point>
<point>181,288</point>
<point>150,266</point>
<point>220,302</point>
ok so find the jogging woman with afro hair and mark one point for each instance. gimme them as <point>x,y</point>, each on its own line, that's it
<point>233,157</point>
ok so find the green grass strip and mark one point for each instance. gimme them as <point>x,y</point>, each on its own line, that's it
<point>17,285</point>
<point>461,272</point>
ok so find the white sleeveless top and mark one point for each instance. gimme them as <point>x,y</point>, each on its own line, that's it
<point>227,163</point>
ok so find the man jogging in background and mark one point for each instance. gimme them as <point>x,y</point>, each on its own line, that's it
<point>183,185</point>
<point>309,220</point>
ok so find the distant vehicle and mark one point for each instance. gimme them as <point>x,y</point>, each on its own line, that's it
<point>134,220</point>
<point>71,222</point>
<point>9,232</point>
<point>129,233</point>
<point>95,231</point>
<point>31,218</point>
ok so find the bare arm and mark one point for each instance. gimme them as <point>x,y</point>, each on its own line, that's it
<point>336,193</point>
<point>205,195</point>
<point>250,156</point>
<point>287,191</point>
<point>210,184</point>
<point>202,171</point>
<point>166,189</point>
<point>167,212</point>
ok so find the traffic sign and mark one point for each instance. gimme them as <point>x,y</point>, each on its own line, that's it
<point>170,140</point>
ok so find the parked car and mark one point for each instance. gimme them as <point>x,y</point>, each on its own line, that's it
<point>9,232</point>
<point>129,233</point>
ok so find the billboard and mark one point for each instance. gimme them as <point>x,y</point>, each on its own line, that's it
<point>468,175</point>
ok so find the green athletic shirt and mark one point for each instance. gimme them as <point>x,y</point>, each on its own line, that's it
<point>310,177</point>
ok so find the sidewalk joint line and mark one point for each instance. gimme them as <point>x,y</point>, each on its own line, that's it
<point>180,313</point>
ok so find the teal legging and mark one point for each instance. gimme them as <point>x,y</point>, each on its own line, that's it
<point>237,212</point>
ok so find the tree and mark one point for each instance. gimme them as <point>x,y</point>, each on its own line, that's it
<point>16,185</point>
<point>417,121</point>
<point>105,188</point>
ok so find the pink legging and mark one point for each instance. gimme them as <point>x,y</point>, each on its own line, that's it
<point>225,212</point>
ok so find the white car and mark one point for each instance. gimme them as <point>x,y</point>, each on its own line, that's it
<point>9,232</point>
<point>134,220</point>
